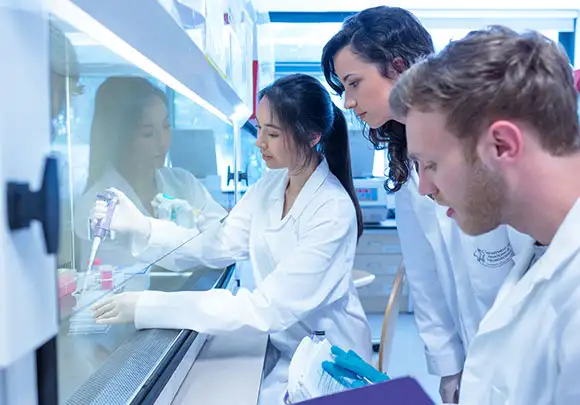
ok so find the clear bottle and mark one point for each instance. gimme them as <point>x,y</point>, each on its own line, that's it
<point>318,336</point>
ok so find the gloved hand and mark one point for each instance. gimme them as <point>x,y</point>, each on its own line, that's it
<point>126,219</point>
<point>351,365</point>
<point>119,308</point>
<point>344,376</point>
<point>449,388</point>
<point>175,209</point>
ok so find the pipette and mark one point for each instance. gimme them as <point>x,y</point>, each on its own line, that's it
<point>101,229</point>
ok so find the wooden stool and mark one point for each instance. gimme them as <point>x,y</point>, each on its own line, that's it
<point>390,319</point>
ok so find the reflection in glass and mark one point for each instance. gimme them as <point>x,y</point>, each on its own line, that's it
<point>129,140</point>
<point>193,130</point>
<point>113,126</point>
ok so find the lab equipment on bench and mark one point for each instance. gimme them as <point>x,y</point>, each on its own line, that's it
<point>67,281</point>
<point>177,210</point>
<point>118,303</point>
<point>83,322</point>
<point>372,197</point>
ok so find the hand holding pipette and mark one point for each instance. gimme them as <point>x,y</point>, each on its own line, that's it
<point>101,228</point>
<point>114,212</point>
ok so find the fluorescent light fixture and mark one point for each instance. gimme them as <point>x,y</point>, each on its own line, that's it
<point>77,17</point>
<point>240,115</point>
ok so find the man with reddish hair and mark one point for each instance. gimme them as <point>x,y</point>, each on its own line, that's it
<point>492,125</point>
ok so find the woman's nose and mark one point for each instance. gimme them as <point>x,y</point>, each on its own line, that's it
<point>349,103</point>
<point>260,141</point>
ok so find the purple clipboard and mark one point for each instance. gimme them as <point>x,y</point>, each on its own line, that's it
<point>401,391</point>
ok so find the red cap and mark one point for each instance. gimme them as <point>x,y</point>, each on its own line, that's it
<point>577,79</point>
<point>96,263</point>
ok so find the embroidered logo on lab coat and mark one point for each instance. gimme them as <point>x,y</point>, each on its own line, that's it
<point>495,258</point>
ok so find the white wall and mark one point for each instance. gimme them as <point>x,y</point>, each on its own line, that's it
<point>349,5</point>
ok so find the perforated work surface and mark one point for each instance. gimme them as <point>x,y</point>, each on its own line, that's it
<point>128,368</point>
<point>132,363</point>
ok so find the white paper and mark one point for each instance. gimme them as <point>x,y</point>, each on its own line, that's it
<point>307,379</point>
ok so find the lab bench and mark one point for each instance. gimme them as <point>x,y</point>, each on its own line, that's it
<point>379,252</point>
<point>124,365</point>
<point>233,359</point>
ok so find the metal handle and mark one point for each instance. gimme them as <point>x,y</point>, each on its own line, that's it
<point>25,205</point>
<point>242,176</point>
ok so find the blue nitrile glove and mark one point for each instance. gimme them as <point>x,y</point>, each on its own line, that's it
<point>354,363</point>
<point>345,377</point>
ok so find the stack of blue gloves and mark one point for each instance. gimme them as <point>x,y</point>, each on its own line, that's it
<point>351,371</point>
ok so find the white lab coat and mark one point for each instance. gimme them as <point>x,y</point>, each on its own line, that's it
<point>451,289</point>
<point>301,265</point>
<point>527,350</point>
<point>175,182</point>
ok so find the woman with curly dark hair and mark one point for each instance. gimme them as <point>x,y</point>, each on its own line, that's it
<point>448,272</point>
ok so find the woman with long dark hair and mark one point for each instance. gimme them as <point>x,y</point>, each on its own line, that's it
<point>298,225</point>
<point>453,278</point>
<point>130,138</point>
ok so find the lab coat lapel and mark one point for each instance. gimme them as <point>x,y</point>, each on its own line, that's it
<point>430,221</point>
<point>312,185</point>
<point>264,261</point>
<point>521,263</point>
<point>426,213</point>
<point>280,235</point>
<point>521,282</point>
<point>276,199</point>
<point>276,203</point>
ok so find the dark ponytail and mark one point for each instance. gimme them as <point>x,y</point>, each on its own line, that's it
<point>335,147</point>
<point>304,108</point>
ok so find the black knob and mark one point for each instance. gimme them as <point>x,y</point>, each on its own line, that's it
<point>230,176</point>
<point>242,176</point>
<point>25,205</point>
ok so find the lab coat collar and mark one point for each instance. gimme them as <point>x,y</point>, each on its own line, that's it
<point>521,282</point>
<point>304,197</point>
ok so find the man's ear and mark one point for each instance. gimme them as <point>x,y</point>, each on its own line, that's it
<point>503,141</point>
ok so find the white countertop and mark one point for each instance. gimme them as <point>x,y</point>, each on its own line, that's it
<point>227,371</point>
